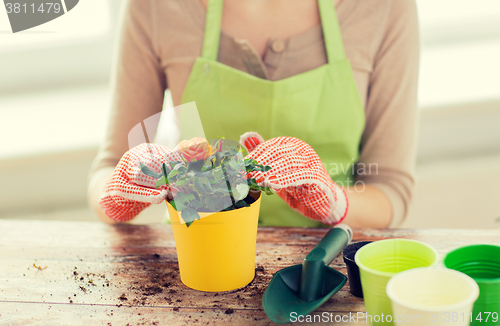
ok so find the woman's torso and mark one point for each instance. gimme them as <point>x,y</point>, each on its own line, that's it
<point>179,41</point>
<point>321,106</point>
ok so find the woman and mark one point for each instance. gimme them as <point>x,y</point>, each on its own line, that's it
<point>282,68</point>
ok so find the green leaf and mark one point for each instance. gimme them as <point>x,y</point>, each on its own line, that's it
<point>234,165</point>
<point>184,196</point>
<point>195,166</point>
<point>182,182</point>
<point>266,168</point>
<point>252,183</point>
<point>147,171</point>
<point>207,167</point>
<point>262,168</point>
<point>268,191</point>
<point>206,174</point>
<point>231,152</point>
<point>219,203</point>
<point>165,170</point>
<point>207,185</point>
<point>219,156</point>
<point>179,205</point>
<point>189,215</point>
<point>160,182</point>
<point>173,173</point>
<point>240,191</point>
<point>251,161</point>
<point>195,204</point>
<point>182,200</point>
<point>198,186</point>
<point>202,185</point>
<point>241,203</point>
<point>218,173</point>
<point>181,167</point>
<point>251,165</point>
<point>174,163</point>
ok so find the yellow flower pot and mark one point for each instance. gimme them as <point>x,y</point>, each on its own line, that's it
<point>217,252</point>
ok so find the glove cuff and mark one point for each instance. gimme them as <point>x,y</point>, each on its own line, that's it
<point>250,140</point>
<point>341,205</point>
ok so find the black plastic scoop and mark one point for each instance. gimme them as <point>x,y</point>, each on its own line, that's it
<point>301,289</point>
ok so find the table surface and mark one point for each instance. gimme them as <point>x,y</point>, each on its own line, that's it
<point>97,274</point>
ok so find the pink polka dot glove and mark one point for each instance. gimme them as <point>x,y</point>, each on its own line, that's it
<point>129,190</point>
<point>297,176</point>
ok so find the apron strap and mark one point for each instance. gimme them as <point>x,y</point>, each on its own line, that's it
<point>331,31</point>
<point>212,30</point>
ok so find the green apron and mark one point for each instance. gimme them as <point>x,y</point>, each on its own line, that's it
<point>321,106</point>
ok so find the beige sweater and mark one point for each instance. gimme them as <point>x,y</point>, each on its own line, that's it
<point>161,39</point>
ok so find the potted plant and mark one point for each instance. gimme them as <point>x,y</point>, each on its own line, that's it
<point>214,211</point>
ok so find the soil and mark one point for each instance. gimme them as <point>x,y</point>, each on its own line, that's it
<point>155,282</point>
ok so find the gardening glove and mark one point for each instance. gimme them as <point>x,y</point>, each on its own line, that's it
<point>129,190</point>
<point>297,176</point>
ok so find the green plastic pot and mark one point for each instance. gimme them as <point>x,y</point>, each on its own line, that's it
<point>378,262</point>
<point>482,263</point>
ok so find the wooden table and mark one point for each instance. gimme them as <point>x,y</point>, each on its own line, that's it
<point>97,274</point>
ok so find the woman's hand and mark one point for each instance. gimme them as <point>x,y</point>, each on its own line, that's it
<point>297,176</point>
<point>129,190</point>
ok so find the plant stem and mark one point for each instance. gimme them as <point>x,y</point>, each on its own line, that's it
<point>227,183</point>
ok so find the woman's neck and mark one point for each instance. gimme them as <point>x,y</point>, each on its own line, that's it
<point>258,21</point>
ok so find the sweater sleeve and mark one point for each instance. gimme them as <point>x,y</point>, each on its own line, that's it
<point>138,82</point>
<point>388,144</point>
